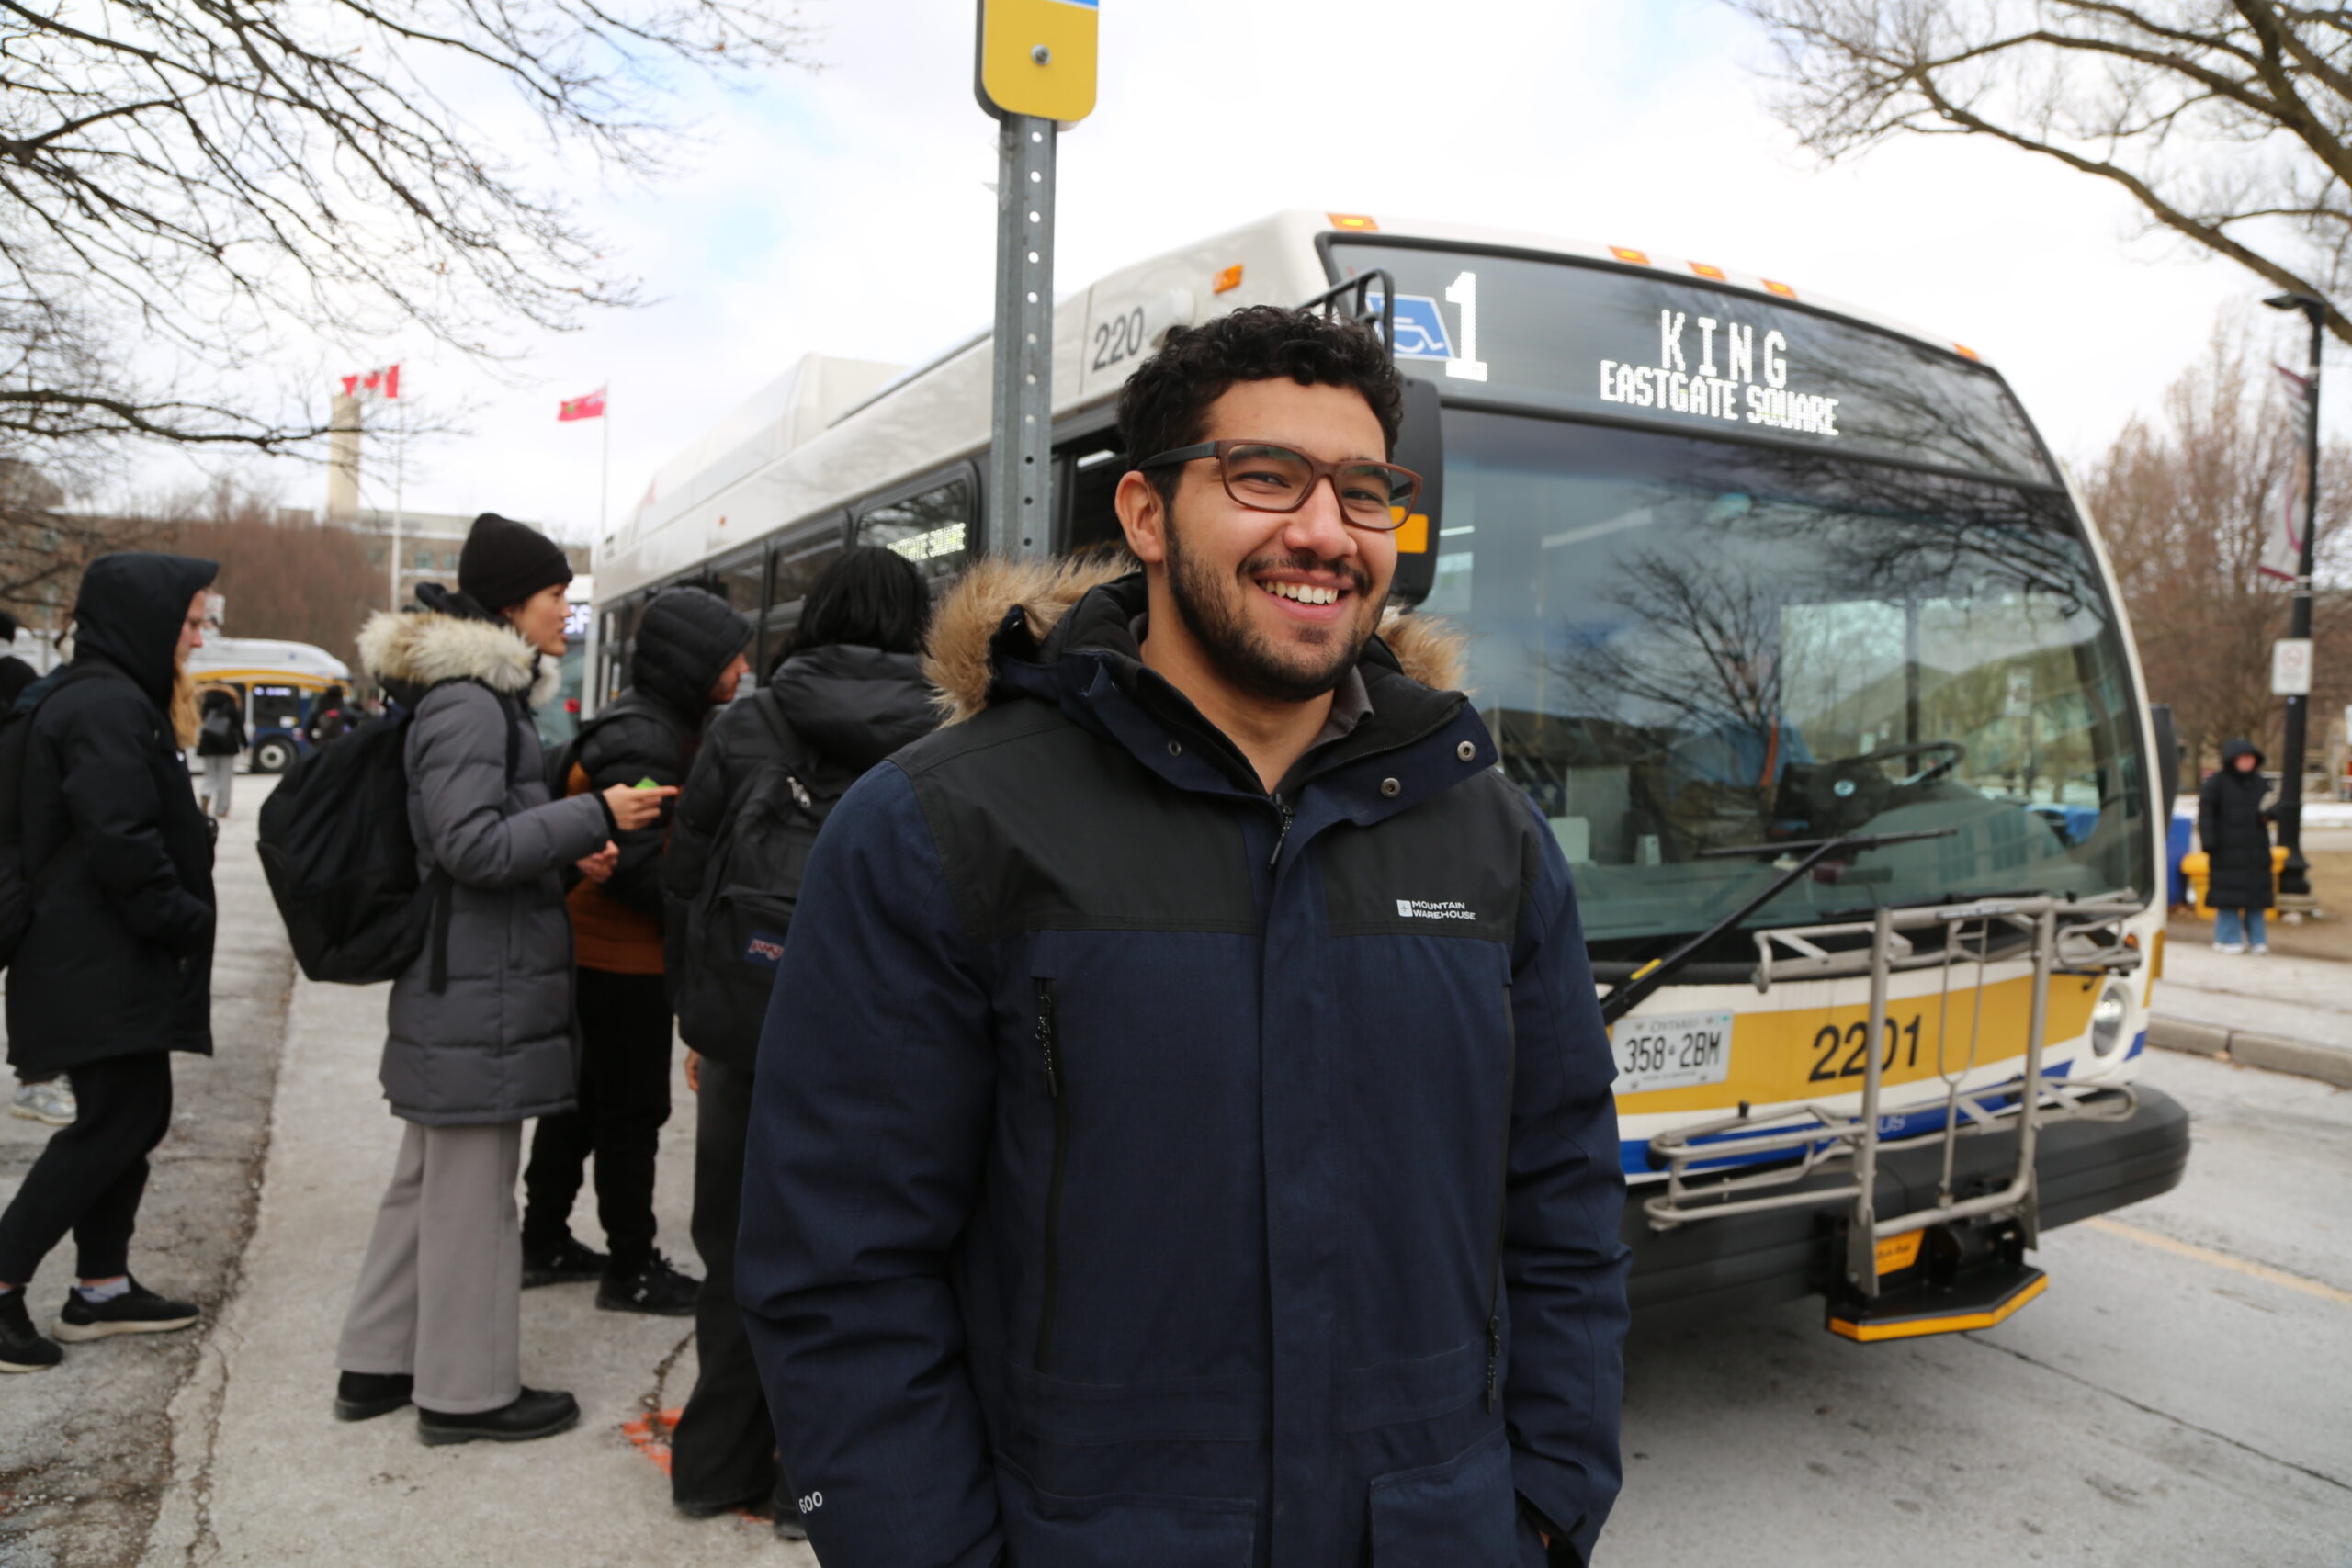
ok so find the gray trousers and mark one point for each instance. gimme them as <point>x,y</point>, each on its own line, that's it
<point>219,778</point>
<point>440,1293</point>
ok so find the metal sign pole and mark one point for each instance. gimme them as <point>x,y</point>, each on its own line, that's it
<point>1034,69</point>
<point>1022,434</point>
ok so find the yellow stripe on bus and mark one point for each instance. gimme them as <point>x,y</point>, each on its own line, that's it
<point>1815,1053</point>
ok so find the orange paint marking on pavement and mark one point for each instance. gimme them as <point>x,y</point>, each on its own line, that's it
<point>650,1435</point>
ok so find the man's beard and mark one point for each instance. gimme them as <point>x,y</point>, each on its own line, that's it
<point>1212,612</point>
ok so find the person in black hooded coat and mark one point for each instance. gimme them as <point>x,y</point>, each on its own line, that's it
<point>2232,827</point>
<point>851,691</point>
<point>115,971</point>
<point>689,657</point>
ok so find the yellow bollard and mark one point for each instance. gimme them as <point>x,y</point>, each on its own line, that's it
<point>2199,868</point>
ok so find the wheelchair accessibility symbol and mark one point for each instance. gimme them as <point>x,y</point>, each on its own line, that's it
<point>1421,329</point>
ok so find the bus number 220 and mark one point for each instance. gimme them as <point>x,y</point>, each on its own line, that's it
<point>1902,1039</point>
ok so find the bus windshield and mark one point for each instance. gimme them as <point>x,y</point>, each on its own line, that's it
<point>1686,646</point>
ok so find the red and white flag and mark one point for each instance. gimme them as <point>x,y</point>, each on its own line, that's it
<point>384,381</point>
<point>591,406</point>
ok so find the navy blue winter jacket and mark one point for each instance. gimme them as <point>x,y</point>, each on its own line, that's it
<point>1150,1171</point>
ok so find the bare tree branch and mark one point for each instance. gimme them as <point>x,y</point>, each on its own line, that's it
<point>2228,121</point>
<point>185,182</point>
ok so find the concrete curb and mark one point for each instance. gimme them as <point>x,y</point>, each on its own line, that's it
<point>2273,1052</point>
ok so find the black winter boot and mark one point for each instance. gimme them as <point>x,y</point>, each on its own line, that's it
<point>532,1414</point>
<point>363,1396</point>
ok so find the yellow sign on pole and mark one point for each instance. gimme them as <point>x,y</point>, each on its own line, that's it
<point>1037,58</point>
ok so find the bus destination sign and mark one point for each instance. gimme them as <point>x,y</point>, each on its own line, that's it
<point>1568,338</point>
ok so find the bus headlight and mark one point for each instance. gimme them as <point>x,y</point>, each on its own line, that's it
<point>2108,1018</point>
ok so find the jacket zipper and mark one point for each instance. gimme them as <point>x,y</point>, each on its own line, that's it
<point>1049,1254</point>
<point>1282,836</point>
<point>1502,1216</point>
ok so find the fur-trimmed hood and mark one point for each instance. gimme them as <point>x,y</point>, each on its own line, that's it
<point>422,648</point>
<point>956,653</point>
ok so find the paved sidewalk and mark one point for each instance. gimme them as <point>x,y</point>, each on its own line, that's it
<point>264,1476</point>
<point>2289,1015</point>
<point>84,1450</point>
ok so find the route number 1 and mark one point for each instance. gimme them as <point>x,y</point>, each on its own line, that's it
<point>1464,292</point>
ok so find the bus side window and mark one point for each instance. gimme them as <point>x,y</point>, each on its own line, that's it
<point>799,560</point>
<point>934,528</point>
<point>1089,479</point>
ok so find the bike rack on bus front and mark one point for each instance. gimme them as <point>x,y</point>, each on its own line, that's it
<point>1809,1137</point>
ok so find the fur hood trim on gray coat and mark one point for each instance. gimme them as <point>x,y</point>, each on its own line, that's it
<point>424,648</point>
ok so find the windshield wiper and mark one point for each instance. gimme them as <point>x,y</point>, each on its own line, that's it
<point>1638,986</point>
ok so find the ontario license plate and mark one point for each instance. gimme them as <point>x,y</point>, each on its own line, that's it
<point>1672,1051</point>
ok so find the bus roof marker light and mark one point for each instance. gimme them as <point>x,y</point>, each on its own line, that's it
<point>1968,354</point>
<point>1355,221</point>
<point>1703,270</point>
<point>1783,289</point>
<point>1628,254</point>
<point>1227,281</point>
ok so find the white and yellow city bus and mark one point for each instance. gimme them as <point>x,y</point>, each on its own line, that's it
<point>275,683</point>
<point>1785,618</point>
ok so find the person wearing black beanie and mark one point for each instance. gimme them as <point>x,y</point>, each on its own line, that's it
<point>504,562</point>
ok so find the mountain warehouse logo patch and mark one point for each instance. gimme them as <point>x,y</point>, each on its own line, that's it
<point>1433,909</point>
<point>764,950</point>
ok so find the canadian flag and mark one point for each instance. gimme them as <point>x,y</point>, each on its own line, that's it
<point>591,406</point>
<point>384,381</point>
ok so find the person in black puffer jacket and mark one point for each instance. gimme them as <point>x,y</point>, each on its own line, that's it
<point>115,972</point>
<point>2232,826</point>
<point>687,658</point>
<point>851,691</point>
<point>219,739</point>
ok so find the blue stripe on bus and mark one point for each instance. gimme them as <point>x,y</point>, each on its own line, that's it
<point>1633,1153</point>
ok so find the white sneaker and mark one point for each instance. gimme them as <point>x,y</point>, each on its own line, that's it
<point>2229,947</point>
<point>52,1102</point>
<point>2261,950</point>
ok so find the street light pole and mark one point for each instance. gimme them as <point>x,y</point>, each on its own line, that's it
<point>2294,878</point>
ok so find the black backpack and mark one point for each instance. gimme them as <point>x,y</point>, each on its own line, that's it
<point>735,926</point>
<point>335,846</point>
<point>18,892</point>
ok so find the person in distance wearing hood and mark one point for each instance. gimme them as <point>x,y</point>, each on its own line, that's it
<point>687,657</point>
<point>481,1035</point>
<point>115,972</point>
<point>851,691</point>
<point>2232,827</point>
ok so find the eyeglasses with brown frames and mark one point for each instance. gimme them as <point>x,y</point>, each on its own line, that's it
<point>1267,477</point>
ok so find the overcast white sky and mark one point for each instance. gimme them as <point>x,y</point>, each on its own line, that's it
<point>846,211</point>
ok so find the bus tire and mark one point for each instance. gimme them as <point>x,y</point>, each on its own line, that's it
<point>274,755</point>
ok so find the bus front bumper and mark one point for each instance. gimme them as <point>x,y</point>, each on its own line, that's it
<point>1714,1267</point>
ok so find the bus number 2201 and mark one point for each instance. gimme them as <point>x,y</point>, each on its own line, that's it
<point>1841,1050</point>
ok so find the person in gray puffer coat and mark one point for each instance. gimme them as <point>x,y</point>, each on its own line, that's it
<point>477,1047</point>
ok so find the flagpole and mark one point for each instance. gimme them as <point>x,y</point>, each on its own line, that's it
<point>400,459</point>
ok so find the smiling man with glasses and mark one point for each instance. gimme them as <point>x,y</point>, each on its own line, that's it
<point>1184,1132</point>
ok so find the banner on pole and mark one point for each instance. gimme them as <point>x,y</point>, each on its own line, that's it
<point>590,406</point>
<point>2282,536</point>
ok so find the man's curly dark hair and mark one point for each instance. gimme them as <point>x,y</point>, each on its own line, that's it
<point>1166,402</point>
